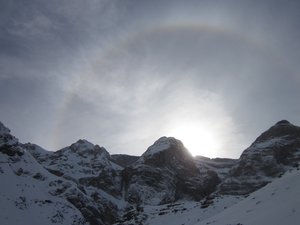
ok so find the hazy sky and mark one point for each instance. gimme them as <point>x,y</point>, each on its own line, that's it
<point>123,73</point>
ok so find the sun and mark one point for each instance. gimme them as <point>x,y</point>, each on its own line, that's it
<point>199,140</point>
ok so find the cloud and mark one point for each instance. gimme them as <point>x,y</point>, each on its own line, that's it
<point>148,78</point>
<point>123,73</point>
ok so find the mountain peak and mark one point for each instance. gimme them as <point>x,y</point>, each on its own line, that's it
<point>283,122</point>
<point>168,152</point>
<point>5,137</point>
<point>85,148</point>
<point>4,129</point>
<point>281,129</point>
<point>162,144</point>
<point>82,144</point>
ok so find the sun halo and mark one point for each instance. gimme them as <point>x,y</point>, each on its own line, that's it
<point>197,139</point>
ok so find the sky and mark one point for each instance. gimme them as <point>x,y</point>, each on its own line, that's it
<point>121,74</point>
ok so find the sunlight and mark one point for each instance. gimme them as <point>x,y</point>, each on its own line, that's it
<point>199,140</point>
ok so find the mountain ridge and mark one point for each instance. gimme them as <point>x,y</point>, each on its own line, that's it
<point>107,189</point>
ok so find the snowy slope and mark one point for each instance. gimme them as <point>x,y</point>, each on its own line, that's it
<point>27,189</point>
<point>277,203</point>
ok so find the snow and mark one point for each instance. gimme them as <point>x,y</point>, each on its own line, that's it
<point>189,212</point>
<point>81,159</point>
<point>25,198</point>
<point>118,202</point>
<point>37,151</point>
<point>270,143</point>
<point>161,144</point>
<point>276,204</point>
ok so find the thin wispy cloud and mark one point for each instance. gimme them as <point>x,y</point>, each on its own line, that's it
<point>123,73</point>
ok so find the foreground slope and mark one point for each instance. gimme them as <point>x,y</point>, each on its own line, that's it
<point>277,203</point>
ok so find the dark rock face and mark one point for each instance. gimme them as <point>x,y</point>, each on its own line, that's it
<point>272,153</point>
<point>11,150</point>
<point>169,153</point>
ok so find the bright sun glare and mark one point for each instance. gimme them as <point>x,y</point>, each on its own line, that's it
<point>197,139</point>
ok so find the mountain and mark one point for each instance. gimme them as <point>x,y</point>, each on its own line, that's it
<point>165,173</point>
<point>32,195</point>
<point>90,167</point>
<point>273,153</point>
<point>84,184</point>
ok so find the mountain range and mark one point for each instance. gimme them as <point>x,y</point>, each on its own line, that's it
<point>83,184</point>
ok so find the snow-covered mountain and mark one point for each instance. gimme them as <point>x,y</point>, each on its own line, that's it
<point>90,168</point>
<point>29,194</point>
<point>84,184</point>
<point>272,154</point>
